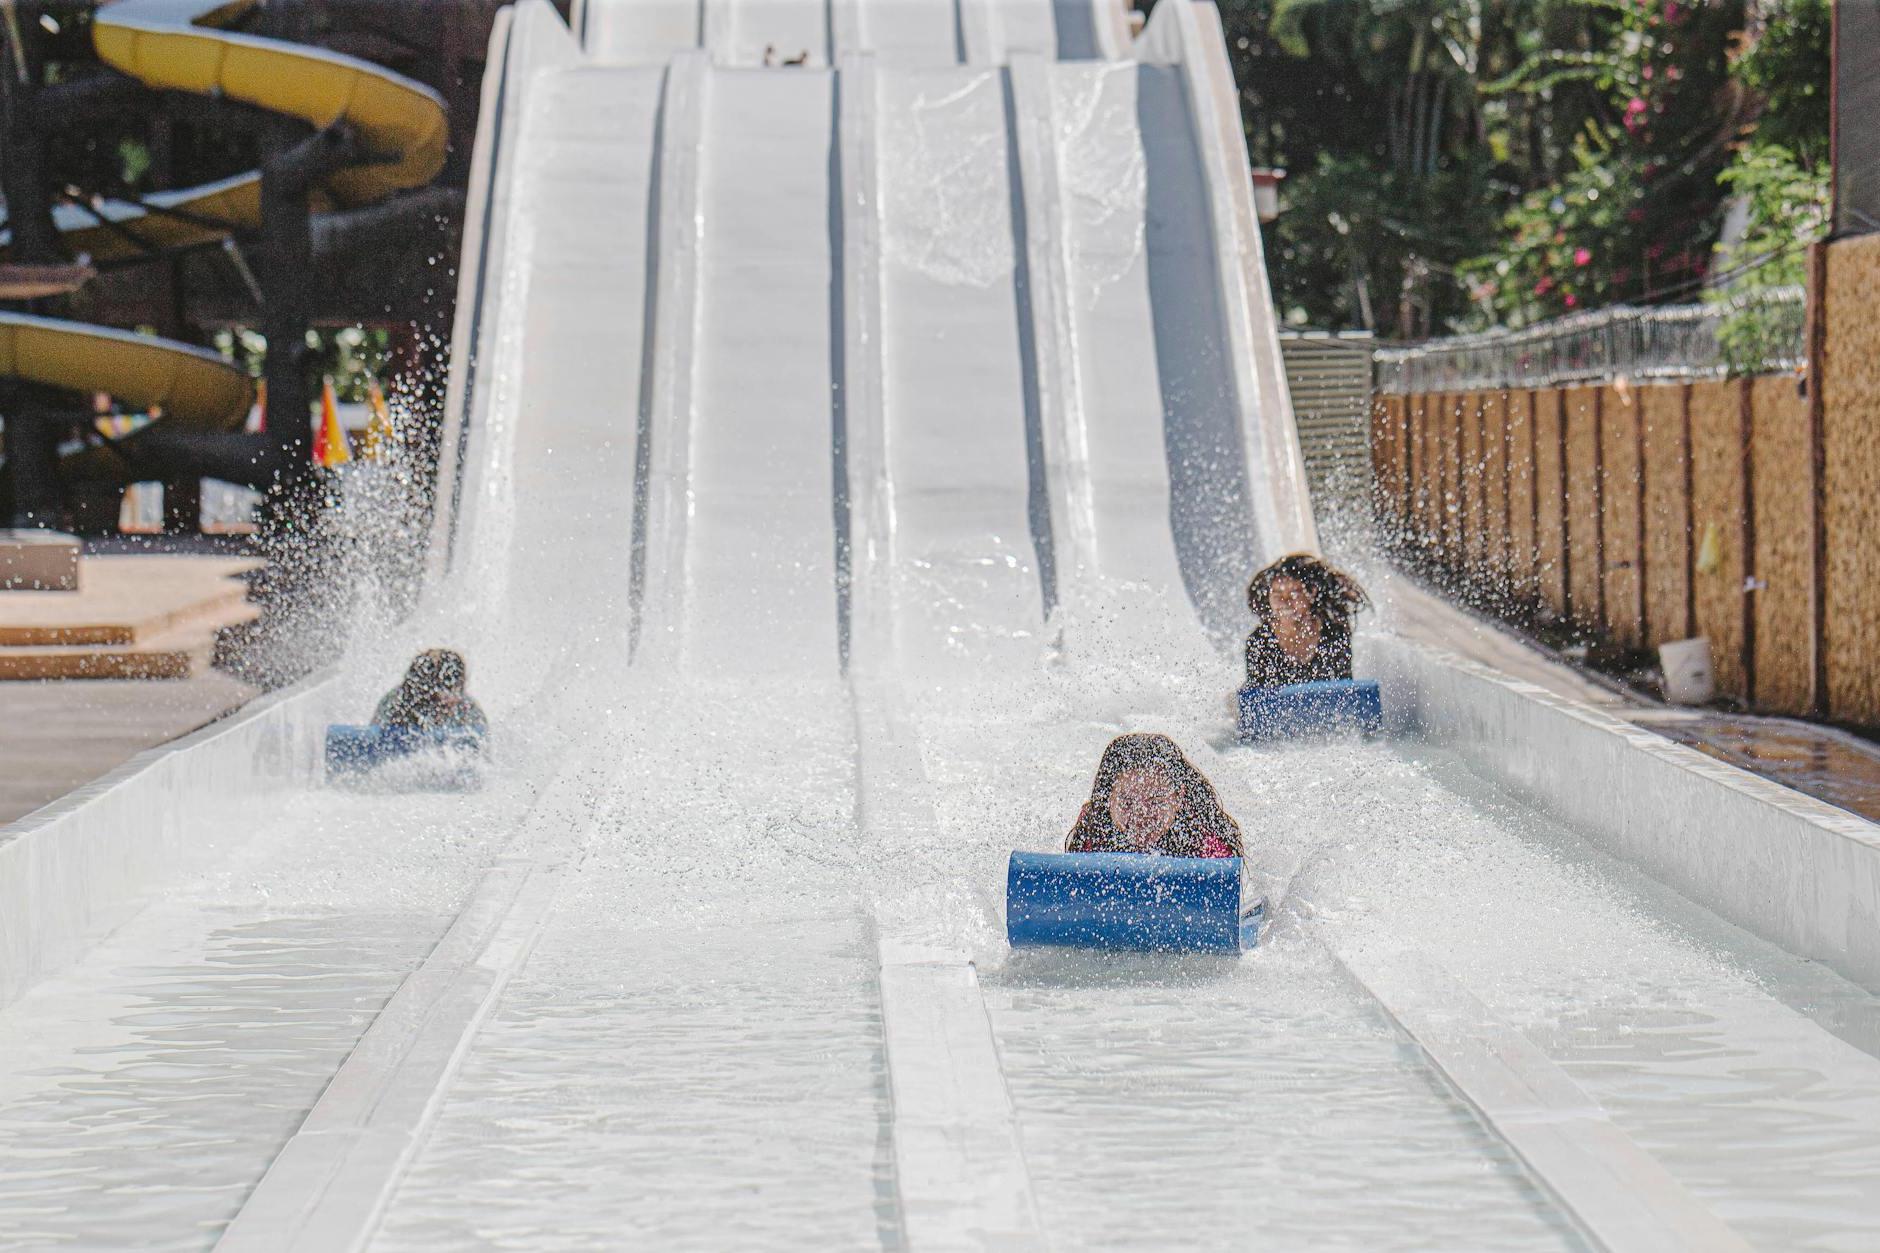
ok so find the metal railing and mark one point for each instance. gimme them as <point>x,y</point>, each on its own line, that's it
<point>1634,342</point>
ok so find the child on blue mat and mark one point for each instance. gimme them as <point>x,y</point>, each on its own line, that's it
<point>1302,634</point>
<point>432,697</point>
<point>1148,798</point>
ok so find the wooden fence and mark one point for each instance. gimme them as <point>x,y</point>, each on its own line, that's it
<point>1644,514</point>
<point>1745,510</point>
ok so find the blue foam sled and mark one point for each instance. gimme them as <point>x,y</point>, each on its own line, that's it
<point>1131,902</point>
<point>1300,709</point>
<point>352,749</point>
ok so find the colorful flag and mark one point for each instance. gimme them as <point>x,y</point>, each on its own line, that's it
<point>329,441</point>
<point>380,435</point>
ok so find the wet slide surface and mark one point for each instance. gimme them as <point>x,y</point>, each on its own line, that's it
<point>1031,541</point>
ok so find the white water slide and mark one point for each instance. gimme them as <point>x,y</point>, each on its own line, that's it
<point>841,453</point>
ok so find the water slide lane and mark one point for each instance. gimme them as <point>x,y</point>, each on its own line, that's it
<point>959,1174</point>
<point>247,987</point>
<point>718,901</point>
<point>1159,406</point>
<point>989,768</point>
<point>929,33</point>
<point>1159,1103</point>
<point>971,544</point>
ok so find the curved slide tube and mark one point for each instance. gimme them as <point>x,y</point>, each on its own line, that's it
<point>193,386</point>
<point>197,390</point>
<point>173,45</point>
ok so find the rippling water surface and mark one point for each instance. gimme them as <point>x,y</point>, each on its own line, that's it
<point>145,1090</point>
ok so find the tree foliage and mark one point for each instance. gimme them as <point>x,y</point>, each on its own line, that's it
<point>1460,163</point>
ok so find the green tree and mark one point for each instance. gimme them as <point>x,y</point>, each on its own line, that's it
<point>1457,163</point>
<point>1780,179</point>
<point>1635,210</point>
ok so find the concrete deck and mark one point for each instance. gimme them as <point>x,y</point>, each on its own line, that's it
<point>58,735</point>
<point>125,599</point>
<point>1419,614</point>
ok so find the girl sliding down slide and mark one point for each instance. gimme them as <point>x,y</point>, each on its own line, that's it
<point>432,697</point>
<point>1303,605</point>
<point>1148,798</point>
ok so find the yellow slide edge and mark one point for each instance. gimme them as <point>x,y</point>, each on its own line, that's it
<point>193,385</point>
<point>393,115</point>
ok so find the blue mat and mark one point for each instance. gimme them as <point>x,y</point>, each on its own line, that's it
<point>1328,707</point>
<point>350,749</point>
<point>1131,902</point>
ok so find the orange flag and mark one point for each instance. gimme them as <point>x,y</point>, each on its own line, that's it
<point>380,434</point>
<point>329,441</point>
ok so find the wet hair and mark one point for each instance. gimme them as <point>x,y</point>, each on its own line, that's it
<point>1335,594</point>
<point>436,670</point>
<point>1200,815</point>
<point>434,676</point>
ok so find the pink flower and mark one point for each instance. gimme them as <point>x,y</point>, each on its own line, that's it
<point>1635,105</point>
<point>1647,72</point>
<point>1544,286</point>
<point>1582,256</point>
<point>1572,300</point>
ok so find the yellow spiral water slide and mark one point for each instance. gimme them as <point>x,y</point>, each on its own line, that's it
<point>177,45</point>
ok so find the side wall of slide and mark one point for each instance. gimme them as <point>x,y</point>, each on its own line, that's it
<point>1795,871</point>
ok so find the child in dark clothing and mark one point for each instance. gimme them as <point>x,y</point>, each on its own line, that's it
<point>432,697</point>
<point>1148,798</point>
<point>1303,606</point>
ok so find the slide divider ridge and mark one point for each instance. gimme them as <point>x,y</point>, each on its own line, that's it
<point>960,1174</point>
<point>1065,437</point>
<point>671,354</point>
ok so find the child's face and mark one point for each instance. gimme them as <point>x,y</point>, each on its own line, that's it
<point>1143,804</point>
<point>1291,602</point>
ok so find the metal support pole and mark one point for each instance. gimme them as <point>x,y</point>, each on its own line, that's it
<point>283,258</point>
<point>36,417</point>
<point>23,177</point>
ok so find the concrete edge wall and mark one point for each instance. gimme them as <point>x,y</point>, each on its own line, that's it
<point>526,40</point>
<point>72,872</point>
<point>1795,871</point>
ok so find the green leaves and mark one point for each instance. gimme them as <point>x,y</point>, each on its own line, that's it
<point>1785,209</point>
<point>1460,163</point>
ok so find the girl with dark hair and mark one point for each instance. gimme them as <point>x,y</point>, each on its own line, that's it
<point>1303,606</point>
<point>1148,798</point>
<point>432,697</point>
